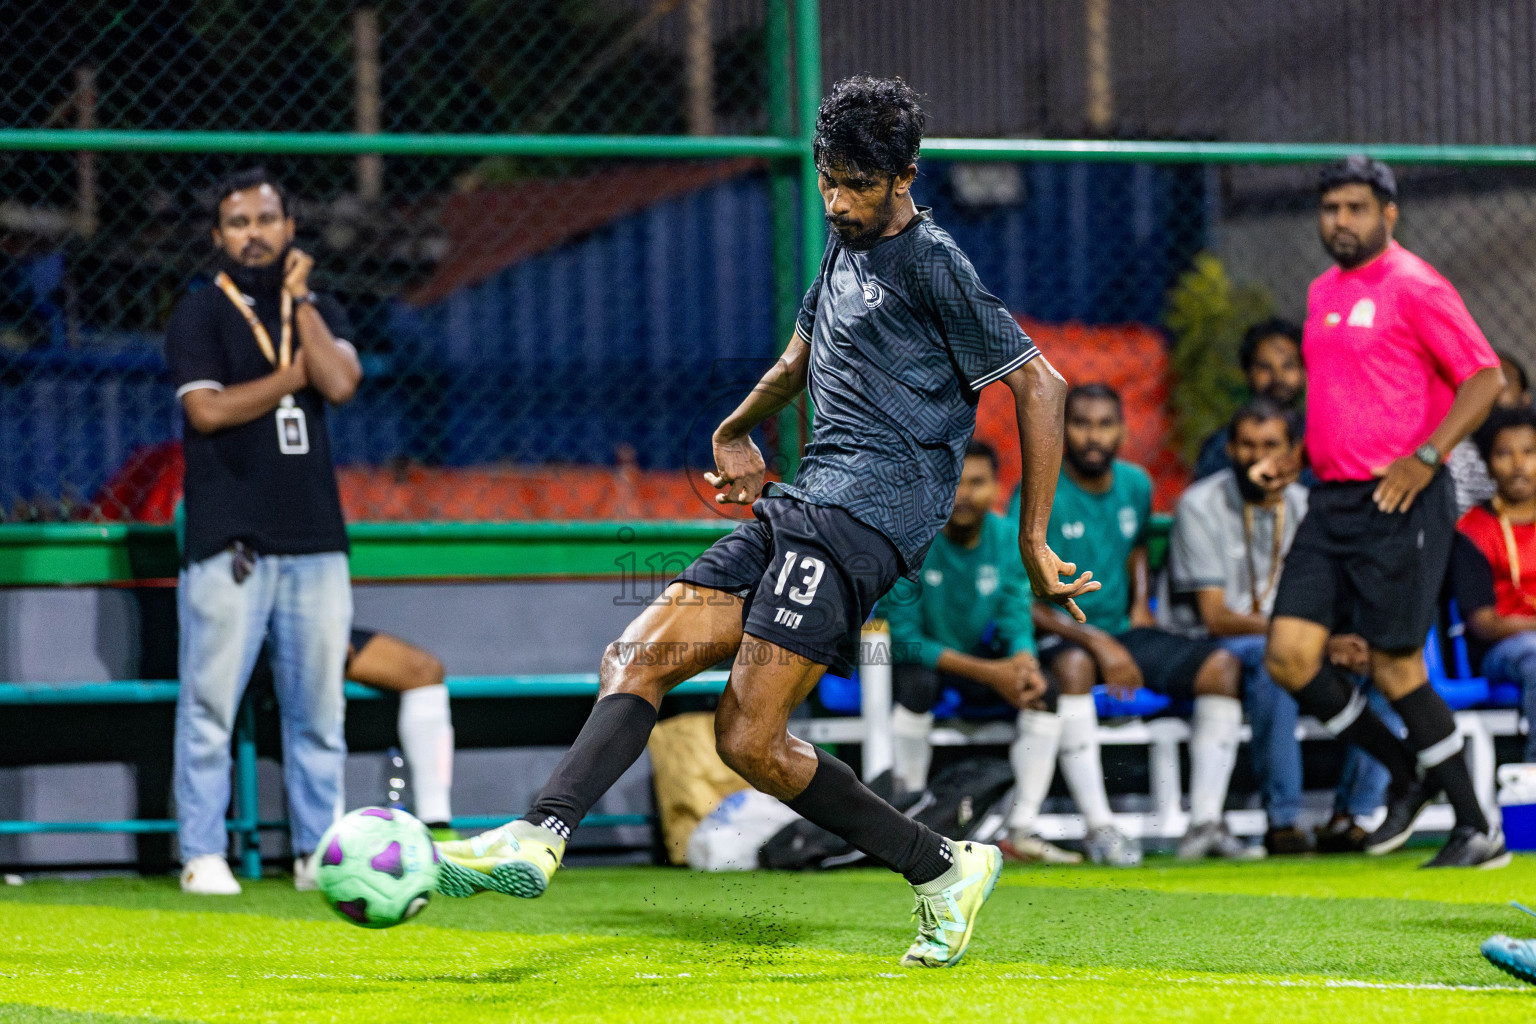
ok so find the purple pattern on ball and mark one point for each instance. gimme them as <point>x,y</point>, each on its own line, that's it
<point>379,812</point>
<point>435,858</point>
<point>356,909</point>
<point>388,861</point>
<point>332,853</point>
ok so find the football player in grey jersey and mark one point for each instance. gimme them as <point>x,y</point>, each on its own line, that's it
<point>894,341</point>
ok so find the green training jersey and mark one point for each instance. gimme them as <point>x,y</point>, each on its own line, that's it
<point>1098,532</point>
<point>959,593</point>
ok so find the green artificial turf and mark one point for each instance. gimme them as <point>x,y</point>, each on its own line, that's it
<point>1287,940</point>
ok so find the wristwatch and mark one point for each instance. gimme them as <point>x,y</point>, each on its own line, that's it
<point>307,297</point>
<point>1428,454</point>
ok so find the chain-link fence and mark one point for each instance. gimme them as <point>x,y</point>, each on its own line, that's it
<point>555,337</point>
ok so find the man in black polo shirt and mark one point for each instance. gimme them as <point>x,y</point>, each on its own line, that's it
<point>894,341</point>
<point>255,356</point>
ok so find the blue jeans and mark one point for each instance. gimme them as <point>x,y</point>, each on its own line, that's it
<point>1272,717</point>
<point>1513,660</point>
<point>306,603</point>
<point>1276,752</point>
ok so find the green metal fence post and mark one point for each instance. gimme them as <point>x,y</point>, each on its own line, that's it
<point>247,804</point>
<point>787,286</point>
<point>813,223</point>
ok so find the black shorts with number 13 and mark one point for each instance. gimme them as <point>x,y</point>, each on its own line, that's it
<point>809,576</point>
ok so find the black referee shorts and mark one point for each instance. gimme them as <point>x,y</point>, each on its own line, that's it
<point>1353,567</point>
<point>809,577</point>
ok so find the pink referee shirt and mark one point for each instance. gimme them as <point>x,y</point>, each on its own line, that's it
<point>1386,346</point>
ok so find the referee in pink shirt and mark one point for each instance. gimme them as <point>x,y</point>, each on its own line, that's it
<point>1398,374</point>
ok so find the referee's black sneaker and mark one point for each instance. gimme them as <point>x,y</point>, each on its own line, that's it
<point>1469,848</point>
<point>1403,807</point>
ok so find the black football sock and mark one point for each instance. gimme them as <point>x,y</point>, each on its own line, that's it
<point>1343,711</point>
<point>612,740</point>
<point>838,802</point>
<point>1432,731</point>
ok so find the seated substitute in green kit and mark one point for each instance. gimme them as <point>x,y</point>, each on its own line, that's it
<point>966,626</point>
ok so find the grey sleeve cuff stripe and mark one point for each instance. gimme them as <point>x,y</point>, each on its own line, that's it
<point>1006,368</point>
<point>198,385</point>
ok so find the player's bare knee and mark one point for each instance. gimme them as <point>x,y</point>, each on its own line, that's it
<point>427,670</point>
<point>1290,665</point>
<point>1220,675</point>
<point>746,751</point>
<point>630,667</point>
<point>1075,672</point>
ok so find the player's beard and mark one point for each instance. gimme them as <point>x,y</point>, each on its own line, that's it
<point>1252,493</point>
<point>252,280</point>
<point>1091,470</point>
<point>854,238</point>
<point>1350,251</point>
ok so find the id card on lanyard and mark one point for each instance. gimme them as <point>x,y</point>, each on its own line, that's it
<point>292,430</point>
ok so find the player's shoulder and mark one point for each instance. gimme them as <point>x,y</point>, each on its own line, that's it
<point>1130,476</point>
<point>926,244</point>
<point>1412,272</point>
<point>1204,494</point>
<point>196,308</point>
<point>1478,522</point>
<point>1322,282</point>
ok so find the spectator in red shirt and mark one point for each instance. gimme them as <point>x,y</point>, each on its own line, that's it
<point>1493,566</point>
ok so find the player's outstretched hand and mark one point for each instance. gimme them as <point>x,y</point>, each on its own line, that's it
<point>738,471</point>
<point>1045,572</point>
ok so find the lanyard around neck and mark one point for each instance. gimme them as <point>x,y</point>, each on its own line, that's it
<point>1511,551</point>
<point>1257,598</point>
<point>284,354</point>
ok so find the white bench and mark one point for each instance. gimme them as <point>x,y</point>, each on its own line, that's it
<point>1161,736</point>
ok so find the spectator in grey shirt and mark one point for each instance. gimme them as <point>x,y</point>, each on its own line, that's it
<point>1229,542</point>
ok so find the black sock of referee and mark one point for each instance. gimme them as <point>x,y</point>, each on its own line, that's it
<point>1432,731</point>
<point>838,802</point>
<point>1342,709</point>
<point>612,739</point>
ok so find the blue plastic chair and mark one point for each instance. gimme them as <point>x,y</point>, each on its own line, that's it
<point>1500,695</point>
<point>1459,694</point>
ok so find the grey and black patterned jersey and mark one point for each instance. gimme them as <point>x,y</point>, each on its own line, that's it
<point>903,338</point>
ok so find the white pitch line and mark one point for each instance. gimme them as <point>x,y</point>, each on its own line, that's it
<point>1310,983</point>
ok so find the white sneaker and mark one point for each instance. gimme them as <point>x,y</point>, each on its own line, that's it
<point>304,878</point>
<point>209,875</point>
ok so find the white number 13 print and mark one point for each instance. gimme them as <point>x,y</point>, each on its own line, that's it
<point>814,568</point>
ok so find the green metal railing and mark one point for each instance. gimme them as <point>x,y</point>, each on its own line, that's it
<point>246,824</point>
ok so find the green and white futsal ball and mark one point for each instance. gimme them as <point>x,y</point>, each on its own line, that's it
<point>377,867</point>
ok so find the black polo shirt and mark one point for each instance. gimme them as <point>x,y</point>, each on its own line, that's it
<point>240,485</point>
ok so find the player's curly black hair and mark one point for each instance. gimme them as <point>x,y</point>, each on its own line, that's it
<point>869,124</point>
<point>1501,419</point>
<point>1263,331</point>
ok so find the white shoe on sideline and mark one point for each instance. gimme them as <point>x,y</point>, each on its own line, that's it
<point>209,875</point>
<point>304,878</point>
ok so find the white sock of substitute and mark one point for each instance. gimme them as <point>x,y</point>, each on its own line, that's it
<point>910,749</point>
<point>426,738</point>
<point>1033,756</point>
<point>1080,762</point>
<point>1212,753</point>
